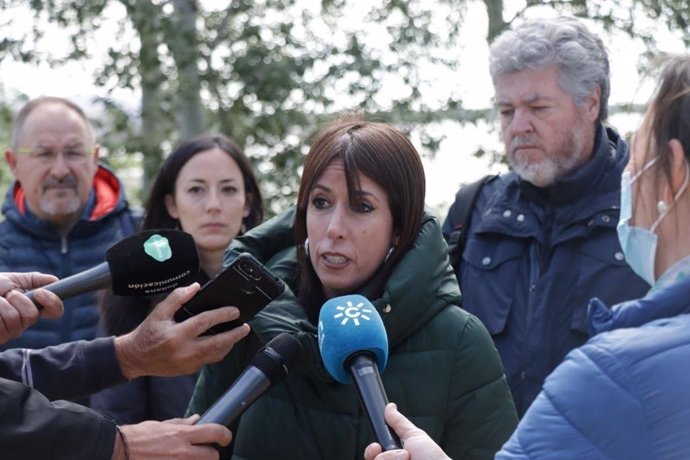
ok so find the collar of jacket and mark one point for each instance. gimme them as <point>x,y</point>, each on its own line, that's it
<point>667,302</point>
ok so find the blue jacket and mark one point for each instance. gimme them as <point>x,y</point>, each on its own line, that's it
<point>623,395</point>
<point>534,257</point>
<point>30,244</point>
<point>33,427</point>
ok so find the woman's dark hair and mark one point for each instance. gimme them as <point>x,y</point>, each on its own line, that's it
<point>383,154</point>
<point>156,214</point>
<point>668,115</point>
<point>120,315</point>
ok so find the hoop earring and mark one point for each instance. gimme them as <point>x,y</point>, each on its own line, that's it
<point>390,251</point>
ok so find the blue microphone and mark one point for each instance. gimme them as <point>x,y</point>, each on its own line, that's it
<point>354,347</point>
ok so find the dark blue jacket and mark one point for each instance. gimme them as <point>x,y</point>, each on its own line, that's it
<point>623,395</point>
<point>534,257</point>
<point>30,244</point>
<point>31,425</point>
<point>66,371</point>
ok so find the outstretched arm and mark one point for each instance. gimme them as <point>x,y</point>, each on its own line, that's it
<point>159,346</point>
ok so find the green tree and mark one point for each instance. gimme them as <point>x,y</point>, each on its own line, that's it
<point>270,72</point>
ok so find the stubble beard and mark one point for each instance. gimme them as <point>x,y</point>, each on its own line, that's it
<point>553,165</point>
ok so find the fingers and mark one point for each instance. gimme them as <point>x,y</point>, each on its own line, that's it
<point>51,303</point>
<point>173,439</point>
<point>10,322</point>
<point>200,323</point>
<point>210,433</point>
<point>191,420</point>
<point>23,281</point>
<point>215,347</point>
<point>33,280</point>
<point>167,307</point>
<point>375,452</point>
<point>400,424</point>
<point>372,451</point>
<point>17,313</point>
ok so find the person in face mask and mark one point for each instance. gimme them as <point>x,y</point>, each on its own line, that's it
<point>624,394</point>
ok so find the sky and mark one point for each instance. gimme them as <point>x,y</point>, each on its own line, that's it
<point>453,164</point>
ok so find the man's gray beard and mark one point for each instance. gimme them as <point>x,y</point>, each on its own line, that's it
<point>69,207</point>
<point>553,166</point>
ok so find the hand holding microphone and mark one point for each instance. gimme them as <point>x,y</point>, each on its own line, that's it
<point>354,347</point>
<point>17,312</point>
<point>418,444</point>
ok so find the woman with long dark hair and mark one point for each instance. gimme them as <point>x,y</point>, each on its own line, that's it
<point>207,188</point>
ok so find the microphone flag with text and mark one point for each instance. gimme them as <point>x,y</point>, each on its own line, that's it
<point>268,367</point>
<point>354,347</point>
<point>143,264</point>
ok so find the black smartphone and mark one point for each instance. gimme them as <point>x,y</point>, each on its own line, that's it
<point>245,284</point>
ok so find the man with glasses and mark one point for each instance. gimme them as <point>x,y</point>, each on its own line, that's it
<point>62,212</point>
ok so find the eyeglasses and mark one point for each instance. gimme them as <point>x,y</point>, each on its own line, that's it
<point>73,155</point>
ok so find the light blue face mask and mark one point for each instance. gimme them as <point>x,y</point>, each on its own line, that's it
<point>639,244</point>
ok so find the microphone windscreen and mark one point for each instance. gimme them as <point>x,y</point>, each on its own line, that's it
<point>278,357</point>
<point>347,325</point>
<point>152,262</point>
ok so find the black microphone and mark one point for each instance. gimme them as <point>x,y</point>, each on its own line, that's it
<point>354,347</point>
<point>143,264</point>
<point>269,366</point>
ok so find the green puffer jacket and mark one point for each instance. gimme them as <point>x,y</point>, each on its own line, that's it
<point>443,371</point>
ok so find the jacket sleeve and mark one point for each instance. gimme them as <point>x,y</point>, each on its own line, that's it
<point>126,403</point>
<point>67,371</point>
<point>588,408</point>
<point>33,427</point>
<point>481,410</point>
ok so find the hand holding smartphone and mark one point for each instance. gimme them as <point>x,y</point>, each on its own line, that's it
<point>245,284</point>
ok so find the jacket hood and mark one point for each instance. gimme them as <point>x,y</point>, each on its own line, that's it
<point>671,301</point>
<point>423,277</point>
<point>106,197</point>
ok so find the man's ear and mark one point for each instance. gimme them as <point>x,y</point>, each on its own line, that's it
<point>11,159</point>
<point>96,153</point>
<point>592,104</point>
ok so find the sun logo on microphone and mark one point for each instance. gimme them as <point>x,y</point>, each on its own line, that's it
<point>352,312</point>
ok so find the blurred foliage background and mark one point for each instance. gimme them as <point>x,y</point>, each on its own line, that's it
<point>270,72</point>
